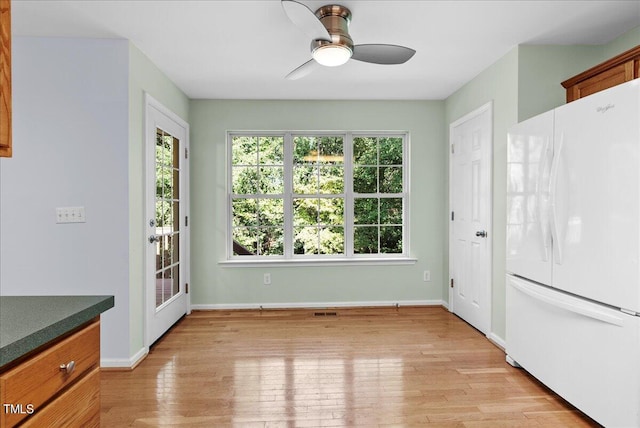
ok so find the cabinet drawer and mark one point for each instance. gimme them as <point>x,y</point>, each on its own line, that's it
<point>38,379</point>
<point>79,406</point>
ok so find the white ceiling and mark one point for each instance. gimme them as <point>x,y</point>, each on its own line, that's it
<point>243,49</point>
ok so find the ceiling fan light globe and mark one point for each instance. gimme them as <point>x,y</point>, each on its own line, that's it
<point>332,55</point>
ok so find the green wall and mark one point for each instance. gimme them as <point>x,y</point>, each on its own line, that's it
<point>542,68</point>
<point>625,42</point>
<point>215,285</point>
<point>498,83</point>
<point>144,76</point>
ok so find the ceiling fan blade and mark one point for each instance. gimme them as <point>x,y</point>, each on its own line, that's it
<point>382,54</point>
<point>303,70</point>
<point>304,18</point>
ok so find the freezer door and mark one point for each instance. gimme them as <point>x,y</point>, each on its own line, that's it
<point>595,197</point>
<point>529,155</point>
<point>587,353</point>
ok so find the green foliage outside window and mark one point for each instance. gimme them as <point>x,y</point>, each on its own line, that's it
<point>167,204</point>
<point>319,194</point>
<point>377,176</point>
<point>318,171</point>
<point>258,173</point>
<point>166,180</point>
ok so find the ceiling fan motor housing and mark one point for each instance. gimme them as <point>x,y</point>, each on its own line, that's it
<point>336,20</point>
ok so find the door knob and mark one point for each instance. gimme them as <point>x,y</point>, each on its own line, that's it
<point>481,233</point>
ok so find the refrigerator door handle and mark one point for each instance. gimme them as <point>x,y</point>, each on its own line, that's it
<point>553,183</point>
<point>542,195</point>
<point>576,306</point>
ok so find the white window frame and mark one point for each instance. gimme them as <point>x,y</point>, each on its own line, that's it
<point>288,258</point>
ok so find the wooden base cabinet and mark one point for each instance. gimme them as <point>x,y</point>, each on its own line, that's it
<point>57,386</point>
<point>79,406</point>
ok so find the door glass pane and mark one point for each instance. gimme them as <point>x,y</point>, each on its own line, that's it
<point>159,213</point>
<point>176,280</point>
<point>175,214</point>
<point>167,217</point>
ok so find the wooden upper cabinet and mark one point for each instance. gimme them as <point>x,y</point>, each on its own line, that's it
<point>617,70</point>
<point>5,78</point>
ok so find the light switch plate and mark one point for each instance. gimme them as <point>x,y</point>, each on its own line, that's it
<point>70,215</point>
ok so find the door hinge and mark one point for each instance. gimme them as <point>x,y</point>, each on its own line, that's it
<point>186,153</point>
<point>186,287</point>
<point>451,282</point>
<point>186,221</point>
<point>453,150</point>
<point>453,216</point>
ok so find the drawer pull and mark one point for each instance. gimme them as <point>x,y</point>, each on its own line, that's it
<point>68,368</point>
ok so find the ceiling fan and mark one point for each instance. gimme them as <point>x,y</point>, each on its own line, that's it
<point>331,44</point>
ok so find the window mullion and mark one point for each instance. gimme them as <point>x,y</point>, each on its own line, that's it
<point>348,194</point>
<point>229,196</point>
<point>288,195</point>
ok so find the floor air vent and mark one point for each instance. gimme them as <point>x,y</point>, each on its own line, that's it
<point>325,314</point>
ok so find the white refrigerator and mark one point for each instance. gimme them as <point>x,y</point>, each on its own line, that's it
<point>573,252</point>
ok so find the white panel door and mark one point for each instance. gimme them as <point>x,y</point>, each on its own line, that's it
<point>596,197</point>
<point>470,200</point>
<point>166,220</point>
<point>529,156</point>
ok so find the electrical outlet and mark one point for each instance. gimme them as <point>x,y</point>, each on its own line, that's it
<point>426,276</point>
<point>266,280</point>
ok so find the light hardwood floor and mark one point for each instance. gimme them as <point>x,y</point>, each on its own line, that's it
<point>361,367</point>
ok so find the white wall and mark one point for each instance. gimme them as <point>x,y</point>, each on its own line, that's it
<point>71,138</point>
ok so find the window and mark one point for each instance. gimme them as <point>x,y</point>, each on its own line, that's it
<point>317,195</point>
<point>378,197</point>
<point>258,195</point>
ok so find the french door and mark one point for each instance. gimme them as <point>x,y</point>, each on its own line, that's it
<point>166,219</point>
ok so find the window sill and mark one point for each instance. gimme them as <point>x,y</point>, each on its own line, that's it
<point>320,262</point>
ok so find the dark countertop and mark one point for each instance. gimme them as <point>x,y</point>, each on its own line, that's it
<point>27,322</point>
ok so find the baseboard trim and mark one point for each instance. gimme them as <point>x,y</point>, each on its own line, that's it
<point>497,340</point>
<point>315,305</point>
<point>122,364</point>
